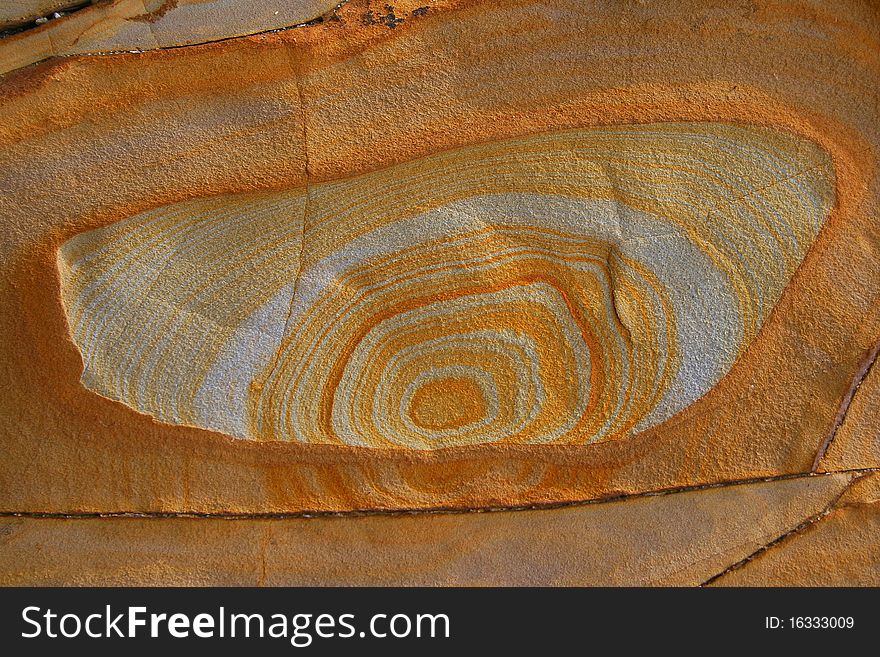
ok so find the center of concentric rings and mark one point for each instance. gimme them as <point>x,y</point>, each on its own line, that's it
<point>447,403</point>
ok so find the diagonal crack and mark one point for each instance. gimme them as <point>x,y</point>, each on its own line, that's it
<point>275,30</point>
<point>791,532</point>
<point>135,50</point>
<point>34,20</point>
<point>865,365</point>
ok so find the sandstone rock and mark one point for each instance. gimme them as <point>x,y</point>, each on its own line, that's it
<point>840,549</point>
<point>674,539</point>
<point>351,266</point>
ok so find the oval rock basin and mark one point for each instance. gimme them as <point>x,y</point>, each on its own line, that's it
<point>567,288</point>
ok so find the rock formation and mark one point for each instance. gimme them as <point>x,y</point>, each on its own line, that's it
<point>443,255</point>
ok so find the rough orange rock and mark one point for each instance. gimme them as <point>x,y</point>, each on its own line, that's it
<point>676,539</point>
<point>90,142</point>
<point>855,443</point>
<point>840,549</point>
<point>110,129</point>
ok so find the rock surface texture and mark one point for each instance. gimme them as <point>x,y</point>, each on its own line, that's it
<point>608,272</point>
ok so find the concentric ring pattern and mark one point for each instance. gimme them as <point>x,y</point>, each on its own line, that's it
<point>566,288</point>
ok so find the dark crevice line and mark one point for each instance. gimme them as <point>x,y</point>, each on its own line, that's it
<point>318,20</point>
<point>790,533</point>
<point>63,10</point>
<point>865,366</point>
<point>390,512</point>
<point>296,70</point>
<point>264,547</point>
